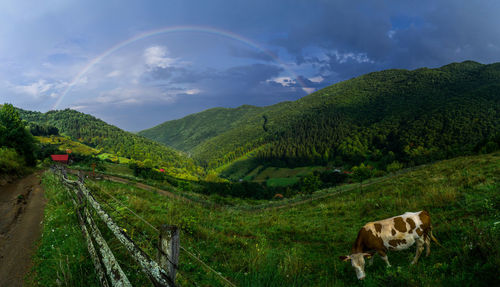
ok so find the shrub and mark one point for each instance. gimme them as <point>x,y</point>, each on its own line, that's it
<point>10,161</point>
<point>394,166</point>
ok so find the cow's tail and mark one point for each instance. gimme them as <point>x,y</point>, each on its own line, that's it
<point>434,238</point>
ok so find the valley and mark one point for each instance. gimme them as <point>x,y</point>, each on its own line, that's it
<point>299,244</point>
<point>249,143</point>
<point>272,196</point>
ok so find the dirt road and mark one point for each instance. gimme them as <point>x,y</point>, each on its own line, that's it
<point>21,214</point>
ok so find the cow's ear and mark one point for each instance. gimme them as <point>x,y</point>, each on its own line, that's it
<point>345,258</point>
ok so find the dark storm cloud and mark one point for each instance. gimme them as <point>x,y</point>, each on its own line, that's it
<point>325,41</point>
<point>251,74</point>
<point>395,35</point>
<point>252,83</point>
<point>251,54</point>
<point>247,75</point>
<point>232,87</point>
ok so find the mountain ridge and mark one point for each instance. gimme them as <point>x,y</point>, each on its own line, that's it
<point>359,119</point>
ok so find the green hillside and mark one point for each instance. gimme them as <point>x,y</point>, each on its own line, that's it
<point>188,132</point>
<point>107,138</point>
<point>409,116</point>
<point>300,243</point>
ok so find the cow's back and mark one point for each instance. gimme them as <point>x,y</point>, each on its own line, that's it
<point>401,232</point>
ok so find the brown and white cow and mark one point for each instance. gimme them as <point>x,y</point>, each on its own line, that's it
<point>395,233</point>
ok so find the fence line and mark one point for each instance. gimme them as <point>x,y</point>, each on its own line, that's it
<point>190,254</point>
<point>138,216</point>
<point>157,275</point>
<point>91,248</point>
<point>181,247</point>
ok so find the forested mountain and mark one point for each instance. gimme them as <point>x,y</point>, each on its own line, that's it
<point>410,116</point>
<point>186,133</point>
<point>98,134</point>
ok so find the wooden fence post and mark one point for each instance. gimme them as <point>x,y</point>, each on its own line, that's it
<point>81,176</point>
<point>168,249</point>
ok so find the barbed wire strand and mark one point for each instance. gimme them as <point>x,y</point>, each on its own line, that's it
<point>208,267</point>
<point>138,216</point>
<point>181,247</point>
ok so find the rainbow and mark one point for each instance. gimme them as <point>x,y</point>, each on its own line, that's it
<point>166,30</point>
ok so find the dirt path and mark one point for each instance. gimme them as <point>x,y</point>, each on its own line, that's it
<point>21,215</point>
<point>137,184</point>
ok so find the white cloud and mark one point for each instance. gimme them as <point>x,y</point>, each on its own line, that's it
<point>391,33</point>
<point>82,81</point>
<point>357,57</point>
<point>193,91</point>
<point>34,89</point>
<point>317,79</point>
<point>156,57</point>
<point>114,73</point>
<point>129,96</point>
<point>80,107</point>
<point>309,90</point>
<point>284,81</point>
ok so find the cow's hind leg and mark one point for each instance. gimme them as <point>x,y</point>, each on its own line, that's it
<point>427,245</point>
<point>420,248</point>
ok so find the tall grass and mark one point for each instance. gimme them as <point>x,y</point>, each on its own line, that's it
<point>62,258</point>
<point>300,245</point>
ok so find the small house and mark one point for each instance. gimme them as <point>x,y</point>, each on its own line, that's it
<point>62,158</point>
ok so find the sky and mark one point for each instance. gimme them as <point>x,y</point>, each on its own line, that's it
<point>136,64</point>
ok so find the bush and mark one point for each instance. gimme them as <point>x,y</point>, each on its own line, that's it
<point>394,166</point>
<point>361,172</point>
<point>10,161</point>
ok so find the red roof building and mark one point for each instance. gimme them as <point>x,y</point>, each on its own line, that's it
<point>62,158</point>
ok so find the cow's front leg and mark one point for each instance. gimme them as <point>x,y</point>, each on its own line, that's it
<point>383,255</point>
<point>420,248</point>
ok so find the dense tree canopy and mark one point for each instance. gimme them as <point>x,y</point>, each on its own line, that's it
<point>13,134</point>
<point>396,115</point>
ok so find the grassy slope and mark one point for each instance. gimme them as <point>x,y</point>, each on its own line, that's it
<point>66,143</point>
<point>388,100</point>
<point>300,245</point>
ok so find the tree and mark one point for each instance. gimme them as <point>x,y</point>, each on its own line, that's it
<point>310,183</point>
<point>14,134</point>
<point>361,173</point>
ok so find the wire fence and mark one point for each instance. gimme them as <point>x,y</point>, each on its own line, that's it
<point>106,202</point>
<point>190,254</point>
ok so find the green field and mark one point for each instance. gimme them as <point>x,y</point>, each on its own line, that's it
<point>299,244</point>
<point>114,158</point>
<point>282,181</point>
<point>65,143</point>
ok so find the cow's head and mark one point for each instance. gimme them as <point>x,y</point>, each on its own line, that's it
<point>358,263</point>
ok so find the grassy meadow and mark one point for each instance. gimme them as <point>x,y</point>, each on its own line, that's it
<point>299,244</point>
